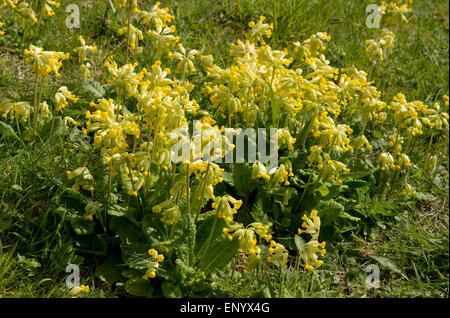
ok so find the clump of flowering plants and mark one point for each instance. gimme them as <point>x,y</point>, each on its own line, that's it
<point>180,220</point>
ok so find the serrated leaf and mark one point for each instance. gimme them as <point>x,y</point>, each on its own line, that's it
<point>8,132</point>
<point>425,196</point>
<point>170,291</point>
<point>219,254</point>
<point>137,286</point>
<point>117,210</point>
<point>109,271</point>
<point>329,211</point>
<point>185,239</point>
<point>347,216</point>
<point>242,179</point>
<point>94,87</point>
<point>322,189</point>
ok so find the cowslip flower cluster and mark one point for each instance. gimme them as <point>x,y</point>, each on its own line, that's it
<point>62,96</point>
<point>395,14</point>
<point>47,9</point>
<point>82,177</point>
<point>79,289</point>
<point>44,62</point>
<point>14,110</point>
<point>153,264</point>
<point>311,226</point>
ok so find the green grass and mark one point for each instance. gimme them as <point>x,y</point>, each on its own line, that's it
<point>36,244</point>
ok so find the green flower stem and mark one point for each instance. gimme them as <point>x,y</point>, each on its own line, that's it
<point>128,33</point>
<point>36,84</point>
<point>308,280</point>
<point>362,134</point>
<point>18,126</point>
<point>203,193</point>
<point>188,196</point>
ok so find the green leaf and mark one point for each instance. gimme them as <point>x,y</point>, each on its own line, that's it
<point>185,239</point>
<point>73,199</point>
<point>219,254</point>
<point>44,132</point>
<point>203,230</point>
<point>8,132</point>
<point>322,189</point>
<point>136,255</point>
<point>355,184</point>
<point>170,291</point>
<point>94,88</point>
<point>137,286</point>
<point>274,108</point>
<point>425,196</point>
<point>220,251</point>
<point>109,271</point>
<point>377,134</point>
<point>117,210</point>
<point>81,226</point>
<point>389,264</point>
<point>126,230</point>
<point>95,243</point>
<point>242,179</point>
<point>347,216</point>
<point>299,242</point>
<point>329,211</point>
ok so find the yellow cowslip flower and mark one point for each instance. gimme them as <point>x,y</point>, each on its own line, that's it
<point>11,3</point>
<point>398,12</point>
<point>277,252</point>
<point>26,11</point>
<point>386,161</point>
<point>311,225</point>
<point>14,110</point>
<point>259,171</point>
<point>92,208</point>
<point>261,229</point>
<point>404,161</point>
<point>374,50</point>
<point>170,211</point>
<point>387,38</point>
<point>44,109</point>
<point>1,32</point>
<point>79,289</point>
<point>61,97</point>
<point>222,206</point>
<point>44,62</point>
<point>85,70</point>
<point>408,189</point>
<point>47,9</point>
<point>259,31</point>
<point>153,263</point>
<point>185,58</point>
<point>309,254</point>
<point>163,38</point>
<point>126,3</point>
<point>84,49</point>
<point>134,37</point>
<point>156,16</point>
<point>83,178</point>
<point>124,77</point>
